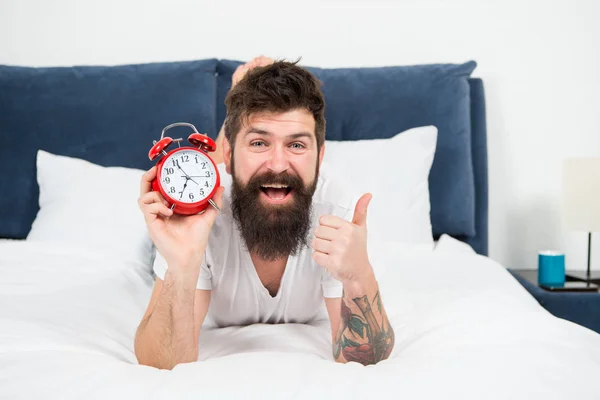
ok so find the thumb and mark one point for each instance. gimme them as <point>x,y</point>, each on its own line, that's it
<point>360,211</point>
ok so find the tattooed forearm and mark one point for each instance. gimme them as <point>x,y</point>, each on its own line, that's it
<point>365,334</point>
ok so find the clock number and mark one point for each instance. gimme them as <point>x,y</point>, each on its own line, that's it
<point>208,174</point>
<point>176,163</point>
<point>201,192</point>
<point>172,189</point>
<point>206,184</point>
<point>167,180</point>
<point>170,171</point>
<point>191,196</point>
<point>185,158</point>
<point>203,165</point>
<point>196,159</point>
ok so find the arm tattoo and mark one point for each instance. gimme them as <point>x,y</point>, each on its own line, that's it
<point>365,334</point>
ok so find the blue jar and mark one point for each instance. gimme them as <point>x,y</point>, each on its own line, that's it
<point>551,268</point>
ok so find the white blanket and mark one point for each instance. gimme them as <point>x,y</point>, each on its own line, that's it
<point>465,329</point>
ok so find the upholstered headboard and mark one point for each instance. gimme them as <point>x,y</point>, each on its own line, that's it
<point>479,241</point>
<point>110,115</point>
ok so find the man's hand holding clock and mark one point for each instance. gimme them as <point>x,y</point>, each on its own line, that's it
<point>180,239</point>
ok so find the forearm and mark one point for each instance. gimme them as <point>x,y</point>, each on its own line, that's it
<point>365,334</point>
<point>166,337</point>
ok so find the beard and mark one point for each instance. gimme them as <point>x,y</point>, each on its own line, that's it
<point>273,231</point>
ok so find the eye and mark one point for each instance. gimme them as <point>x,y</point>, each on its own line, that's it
<point>258,143</point>
<point>297,146</point>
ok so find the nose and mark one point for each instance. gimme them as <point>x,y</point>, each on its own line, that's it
<point>278,161</point>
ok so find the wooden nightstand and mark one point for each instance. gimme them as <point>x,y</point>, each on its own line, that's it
<point>583,308</point>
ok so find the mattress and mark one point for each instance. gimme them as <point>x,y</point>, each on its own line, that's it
<point>465,329</point>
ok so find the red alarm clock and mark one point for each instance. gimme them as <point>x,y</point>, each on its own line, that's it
<point>186,176</point>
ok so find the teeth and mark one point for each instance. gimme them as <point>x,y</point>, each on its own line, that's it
<point>275,185</point>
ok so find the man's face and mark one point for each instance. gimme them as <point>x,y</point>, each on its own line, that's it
<point>274,165</point>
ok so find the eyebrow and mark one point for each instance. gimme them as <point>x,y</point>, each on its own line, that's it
<point>298,135</point>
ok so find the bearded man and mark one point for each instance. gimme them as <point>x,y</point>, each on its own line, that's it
<point>286,239</point>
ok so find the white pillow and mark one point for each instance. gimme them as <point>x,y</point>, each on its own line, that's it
<point>448,244</point>
<point>91,206</point>
<point>395,171</point>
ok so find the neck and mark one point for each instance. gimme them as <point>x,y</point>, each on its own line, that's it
<point>258,260</point>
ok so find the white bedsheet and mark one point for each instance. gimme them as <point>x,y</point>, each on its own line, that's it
<point>465,329</point>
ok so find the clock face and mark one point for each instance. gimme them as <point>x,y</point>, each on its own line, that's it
<point>188,176</point>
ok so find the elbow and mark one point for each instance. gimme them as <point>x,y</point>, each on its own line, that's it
<point>362,354</point>
<point>364,359</point>
<point>155,364</point>
<point>148,362</point>
<point>145,356</point>
<point>340,360</point>
<point>367,353</point>
<point>162,361</point>
<point>140,352</point>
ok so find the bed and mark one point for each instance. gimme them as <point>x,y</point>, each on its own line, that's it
<point>70,303</point>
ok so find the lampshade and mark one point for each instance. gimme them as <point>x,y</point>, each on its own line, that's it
<point>581,194</point>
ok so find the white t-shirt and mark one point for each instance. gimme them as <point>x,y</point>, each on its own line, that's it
<point>238,297</point>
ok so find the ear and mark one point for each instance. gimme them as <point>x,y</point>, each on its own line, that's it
<point>227,155</point>
<point>321,154</point>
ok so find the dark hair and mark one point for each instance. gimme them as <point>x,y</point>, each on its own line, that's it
<point>279,87</point>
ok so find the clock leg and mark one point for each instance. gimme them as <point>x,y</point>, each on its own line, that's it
<point>212,203</point>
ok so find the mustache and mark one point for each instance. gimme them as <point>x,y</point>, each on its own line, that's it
<point>270,178</point>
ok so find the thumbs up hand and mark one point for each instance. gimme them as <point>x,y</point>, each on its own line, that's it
<point>341,246</point>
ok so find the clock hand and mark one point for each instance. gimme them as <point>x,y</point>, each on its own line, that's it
<point>187,176</point>
<point>182,190</point>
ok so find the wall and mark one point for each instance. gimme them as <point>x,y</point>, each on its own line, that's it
<point>540,62</point>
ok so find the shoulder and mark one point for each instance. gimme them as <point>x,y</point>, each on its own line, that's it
<point>225,180</point>
<point>223,225</point>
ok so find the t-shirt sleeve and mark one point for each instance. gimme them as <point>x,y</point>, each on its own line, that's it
<point>332,288</point>
<point>204,279</point>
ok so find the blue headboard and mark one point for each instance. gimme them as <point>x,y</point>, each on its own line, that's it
<point>110,115</point>
<point>479,241</point>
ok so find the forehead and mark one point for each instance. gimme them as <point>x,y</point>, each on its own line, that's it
<point>280,124</point>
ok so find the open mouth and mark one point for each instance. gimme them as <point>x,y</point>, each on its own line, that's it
<point>276,192</point>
